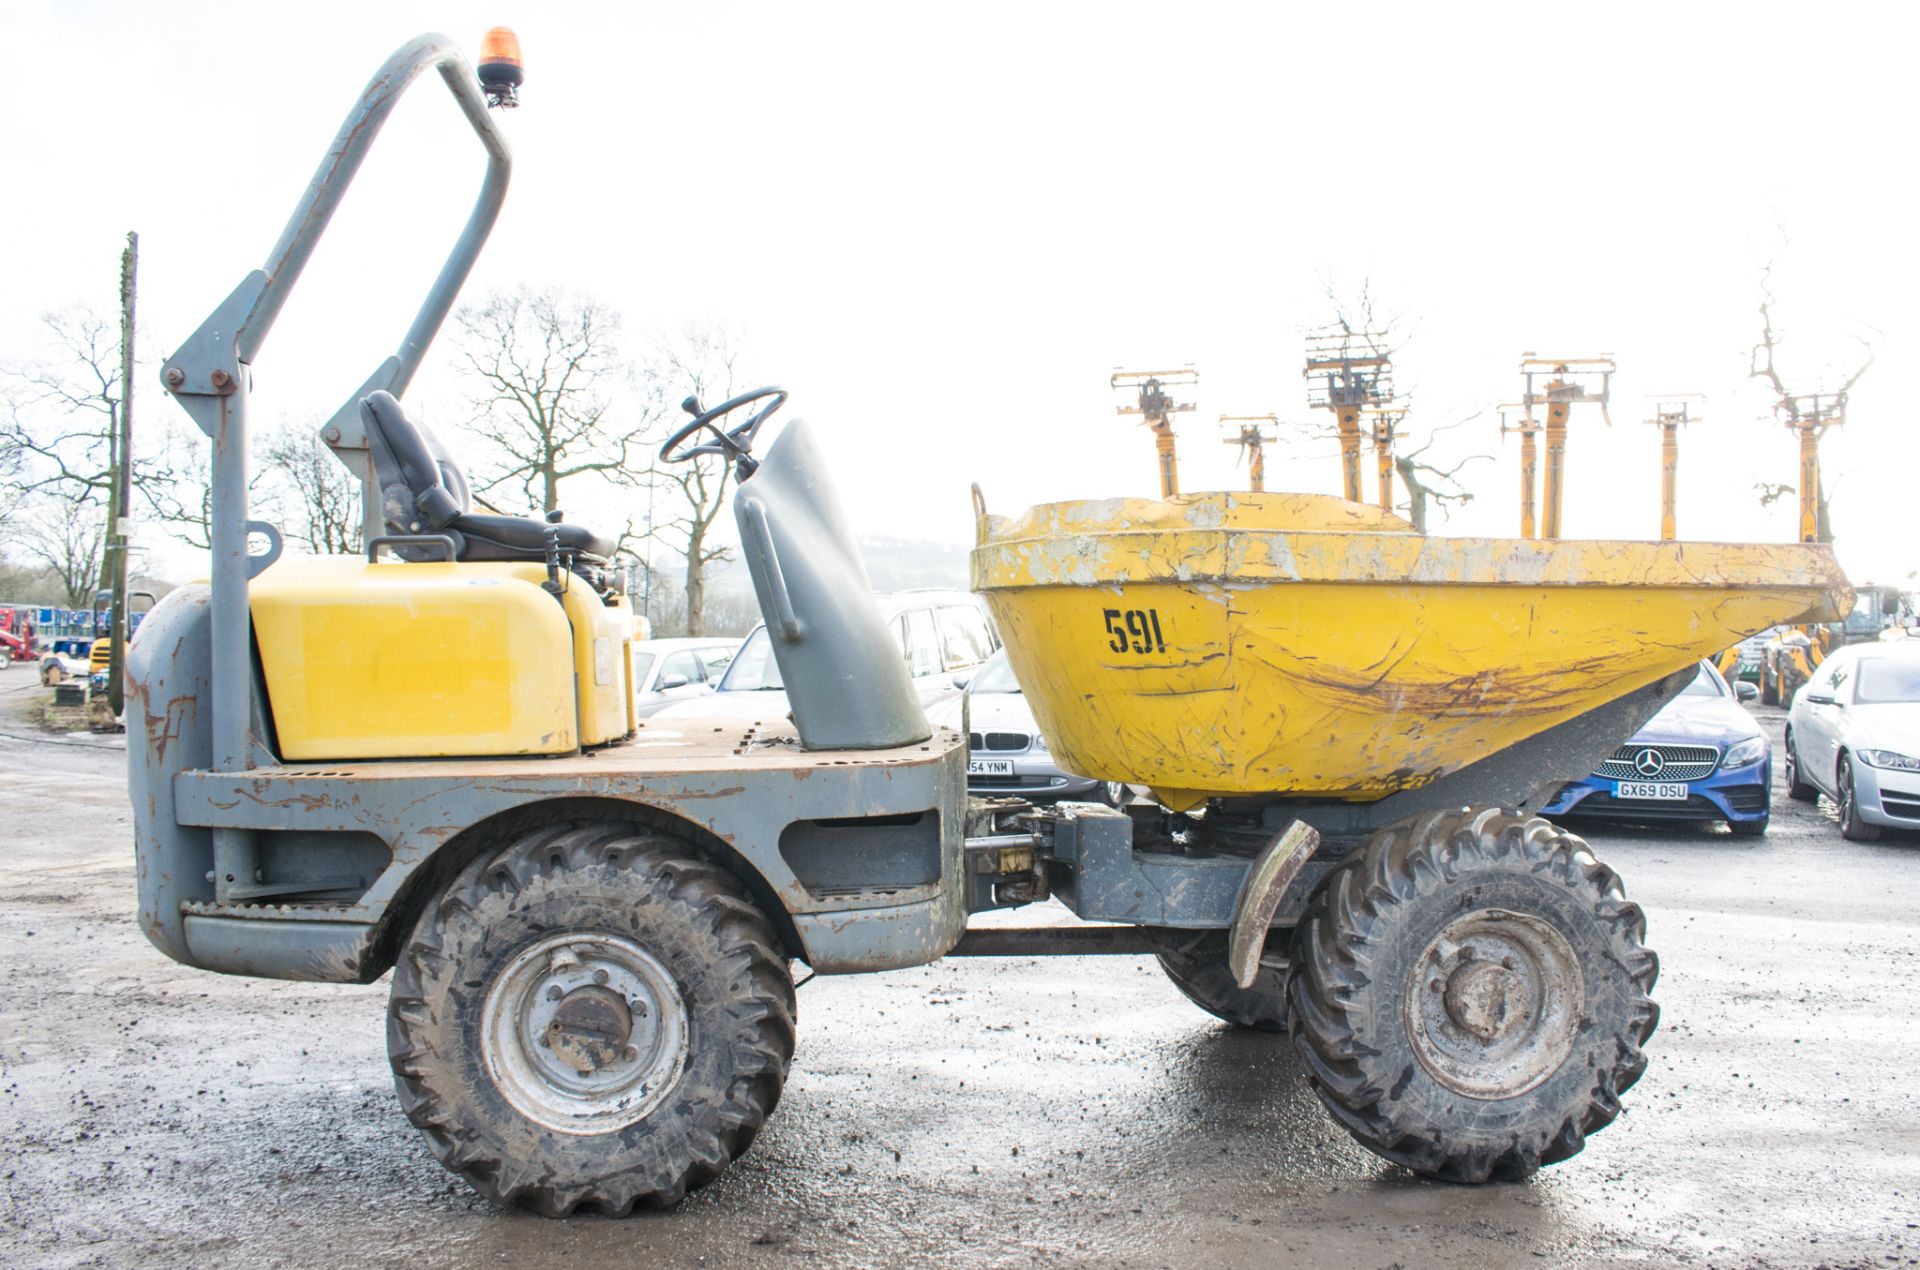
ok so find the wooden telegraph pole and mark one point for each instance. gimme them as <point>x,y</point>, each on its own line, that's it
<point>1252,437</point>
<point>120,504</point>
<point>1157,408</point>
<point>1347,372</point>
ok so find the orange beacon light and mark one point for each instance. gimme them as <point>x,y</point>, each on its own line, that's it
<point>499,69</point>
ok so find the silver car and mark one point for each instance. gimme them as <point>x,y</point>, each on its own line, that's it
<point>670,670</point>
<point>1853,734</point>
<point>1006,755</point>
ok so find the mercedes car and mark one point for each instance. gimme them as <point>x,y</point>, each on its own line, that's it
<point>1702,758</point>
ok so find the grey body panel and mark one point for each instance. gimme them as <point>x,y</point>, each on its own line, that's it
<point>845,680</point>
<point>736,789</point>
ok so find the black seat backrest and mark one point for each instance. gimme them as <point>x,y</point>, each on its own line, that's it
<point>422,489</point>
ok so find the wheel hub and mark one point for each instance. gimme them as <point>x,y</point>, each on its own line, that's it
<point>1494,1004</point>
<point>584,1033</point>
<point>1487,999</point>
<point>590,1028</point>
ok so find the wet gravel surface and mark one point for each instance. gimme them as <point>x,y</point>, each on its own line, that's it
<point>972,1112</point>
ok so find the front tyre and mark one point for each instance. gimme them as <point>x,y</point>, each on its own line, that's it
<point>1797,787</point>
<point>1852,827</point>
<point>593,1016</point>
<point>1470,994</point>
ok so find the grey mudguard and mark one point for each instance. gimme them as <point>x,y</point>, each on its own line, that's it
<point>844,673</point>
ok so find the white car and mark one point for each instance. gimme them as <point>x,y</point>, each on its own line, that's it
<point>940,633</point>
<point>1853,734</point>
<point>666,671</point>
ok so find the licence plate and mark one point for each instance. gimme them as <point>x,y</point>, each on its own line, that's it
<point>989,767</point>
<point>1663,791</point>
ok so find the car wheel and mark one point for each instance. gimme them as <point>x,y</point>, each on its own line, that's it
<point>1852,827</point>
<point>1113,793</point>
<point>1769,688</point>
<point>6,659</point>
<point>1797,789</point>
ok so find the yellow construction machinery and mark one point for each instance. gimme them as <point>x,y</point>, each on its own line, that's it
<point>425,760</point>
<point>1670,414</point>
<point>1349,371</point>
<point>1251,433</point>
<point>1156,408</point>
<point>1555,385</point>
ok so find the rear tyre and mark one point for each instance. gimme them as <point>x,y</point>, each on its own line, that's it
<point>591,1017</point>
<point>1852,827</point>
<point>1769,687</point>
<point>1797,789</point>
<point>1470,994</point>
<point>1196,961</point>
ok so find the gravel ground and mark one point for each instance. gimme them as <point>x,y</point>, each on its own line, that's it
<point>968,1113</point>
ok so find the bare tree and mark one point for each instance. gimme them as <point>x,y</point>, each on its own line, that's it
<point>1799,411</point>
<point>58,421</point>
<point>65,531</point>
<point>549,375</point>
<point>1427,481</point>
<point>702,361</point>
<point>1432,482</point>
<point>319,497</point>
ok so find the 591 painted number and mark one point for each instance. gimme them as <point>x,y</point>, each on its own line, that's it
<point>1134,631</point>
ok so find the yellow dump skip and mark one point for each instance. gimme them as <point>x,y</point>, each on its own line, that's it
<point>1233,644</point>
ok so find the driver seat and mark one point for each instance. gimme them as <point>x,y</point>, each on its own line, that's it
<point>423,491</point>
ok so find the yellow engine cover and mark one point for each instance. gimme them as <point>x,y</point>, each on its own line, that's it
<point>436,660</point>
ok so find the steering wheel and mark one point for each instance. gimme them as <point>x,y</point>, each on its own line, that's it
<point>734,443</point>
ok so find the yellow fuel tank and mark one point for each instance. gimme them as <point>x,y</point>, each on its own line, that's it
<point>425,660</point>
<point>1239,644</point>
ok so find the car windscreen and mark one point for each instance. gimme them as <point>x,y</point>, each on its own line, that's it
<point>1883,680</point>
<point>1703,685</point>
<point>995,676</point>
<point>753,668</point>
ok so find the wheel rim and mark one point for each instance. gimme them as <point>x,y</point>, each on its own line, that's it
<point>1846,793</point>
<point>1494,1004</point>
<point>1791,763</point>
<point>584,1033</point>
<point>1116,793</point>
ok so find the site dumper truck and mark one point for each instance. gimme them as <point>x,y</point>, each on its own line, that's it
<point>425,761</point>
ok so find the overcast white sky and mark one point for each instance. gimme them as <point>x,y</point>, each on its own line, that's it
<point>942,226</point>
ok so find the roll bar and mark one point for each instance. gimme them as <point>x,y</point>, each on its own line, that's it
<point>209,376</point>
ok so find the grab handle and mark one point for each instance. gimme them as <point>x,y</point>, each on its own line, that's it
<point>783,615</point>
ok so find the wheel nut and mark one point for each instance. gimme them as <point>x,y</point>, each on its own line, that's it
<point>555,993</point>
<point>599,976</point>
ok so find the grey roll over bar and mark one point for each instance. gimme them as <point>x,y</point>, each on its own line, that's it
<point>208,375</point>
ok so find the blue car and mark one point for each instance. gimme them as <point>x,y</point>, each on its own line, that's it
<point>1702,758</point>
